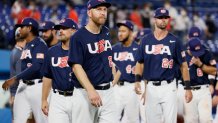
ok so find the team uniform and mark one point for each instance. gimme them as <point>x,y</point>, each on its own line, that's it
<point>160,59</point>
<point>200,108</point>
<point>57,69</point>
<point>94,53</point>
<point>126,98</point>
<point>29,92</point>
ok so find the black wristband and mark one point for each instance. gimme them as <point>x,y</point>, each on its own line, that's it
<point>187,85</point>
<point>212,81</point>
<point>138,78</point>
<point>201,65</point>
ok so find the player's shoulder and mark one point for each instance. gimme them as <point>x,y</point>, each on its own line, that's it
<point>172,37</point>
<point>54,48</point>
<point>134,44</point>
<point>105,29</point>
<point>117,45</point>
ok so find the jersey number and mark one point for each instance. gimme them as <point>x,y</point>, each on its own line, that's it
<point>130,69</point>
<point>166,63</point>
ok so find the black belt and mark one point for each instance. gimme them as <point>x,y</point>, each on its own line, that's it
<point>122,83</point>
<point>30,82</point>
<point>158,83</point>
<point>196,87</point>
<point>64,93</point>
<point>105,87</point>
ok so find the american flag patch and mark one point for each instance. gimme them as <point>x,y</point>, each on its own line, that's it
<point>40,56</point>
<point>183,54</point>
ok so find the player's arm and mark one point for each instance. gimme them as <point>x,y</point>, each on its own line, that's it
<point>46,87</point>
<point>209,69</point>
<point>116,77</point>
<point>86,84</point>
<point>138,77</point>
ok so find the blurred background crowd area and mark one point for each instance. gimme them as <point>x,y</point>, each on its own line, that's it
<point>184,14</point>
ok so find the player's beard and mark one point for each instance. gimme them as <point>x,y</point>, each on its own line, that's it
<point>99,21</point>
<point>125,39</point>
<point>162,26</point>
<point>49,39</point>
<point>23,35</point>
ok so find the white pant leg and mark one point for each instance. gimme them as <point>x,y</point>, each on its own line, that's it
<point>107,113</point>
<point>131,109</point>
<point>180,99</point>
<point>22,108</point>
<point>82,111</point>
<point>60,109</point>
<point>142,108</point>
<point>169,102</point>
<point>153,109</point>
<point>191,109</point>
<point>205,106</point>
<point>34,93</point>
<point>119,100</point>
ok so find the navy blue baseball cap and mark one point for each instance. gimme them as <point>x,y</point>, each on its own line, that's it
<point>95,3</point>
<point>47,25</point>
<point>196,48</point>
<point>194,32</point>
<point>67,23</point>
<point>126,23</point>
<point>142,33</point>
<point>28,22</point>
<point>161,12</point>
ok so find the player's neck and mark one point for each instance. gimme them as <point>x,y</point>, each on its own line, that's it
<point>93,28</point>
<point>21,44</point>
<point>127,43</point>
<point>30,38</point>
<point>65,45</point>
<point>160,34</point>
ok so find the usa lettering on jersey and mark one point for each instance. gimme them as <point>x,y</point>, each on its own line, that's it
<point>26,54</point>
<point>99,47</point>
<point>61,62</point>
<point>157,49</point>
<point>123,56</point>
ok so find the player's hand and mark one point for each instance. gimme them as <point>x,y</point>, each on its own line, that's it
<point>196,61</point>
<point>188,96</point>
<point>138,89</point>
<point>8,83</point>
<point>215,101</point>
<point>94,98</point>
<point>45,107</point>
<point>211,88</point>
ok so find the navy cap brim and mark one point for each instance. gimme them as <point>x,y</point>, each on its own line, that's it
<point>19,25</point>
<point>122,24</point>
<point>58,27</point>
<point>199,52</point>
<point>162,16</point>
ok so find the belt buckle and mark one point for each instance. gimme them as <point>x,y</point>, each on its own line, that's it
<point>65,93</point>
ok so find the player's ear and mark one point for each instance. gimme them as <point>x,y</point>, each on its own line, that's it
<point>89,13</point>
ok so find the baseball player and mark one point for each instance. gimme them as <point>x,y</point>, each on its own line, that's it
<point>48,33</point>
<point>57,74</point>
<point>15,64</point>
<point>29,92</point>
<point>90,56</point>
<point>124,53</point>
<point>201,63</point>
<point>159,54</point>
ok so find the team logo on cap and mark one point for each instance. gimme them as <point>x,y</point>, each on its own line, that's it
<point>195,34</point>
<point>197,48</point>
<point>162,11</point>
